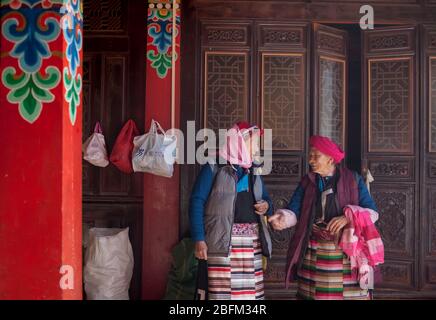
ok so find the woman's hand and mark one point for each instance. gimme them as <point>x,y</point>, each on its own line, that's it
<point>201,250</point>
<point>283,219</point>
<point>276,222</point>
<point>261,207</point>
<point>337,224</point>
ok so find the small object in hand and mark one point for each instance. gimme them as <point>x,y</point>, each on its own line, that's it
<point>321,224</point>
<point>261,206</point>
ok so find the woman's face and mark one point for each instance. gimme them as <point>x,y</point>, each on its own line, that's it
<point>252,144</point>
<point>320,163</point>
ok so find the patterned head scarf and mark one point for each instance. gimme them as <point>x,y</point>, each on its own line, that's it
<point>234,149</point>
<point>328,147</point>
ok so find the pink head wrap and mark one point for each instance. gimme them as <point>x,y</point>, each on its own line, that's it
<point>328,147</point>
<point>234,150</point>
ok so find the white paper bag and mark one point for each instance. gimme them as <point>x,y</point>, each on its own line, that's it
<point>155,152</point>
<point>94,148</point>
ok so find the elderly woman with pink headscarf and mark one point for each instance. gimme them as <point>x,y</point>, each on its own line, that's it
<point>227,208</point>
<point>315,257</point>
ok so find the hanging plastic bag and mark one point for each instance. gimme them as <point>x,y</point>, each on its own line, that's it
<point>108,264</point>
<point>94,148</point>
<point>121,155</point>
<point>155,152</point>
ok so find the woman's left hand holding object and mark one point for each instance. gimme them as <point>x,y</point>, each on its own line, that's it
<point>261,207</point>
<point>337,224</point>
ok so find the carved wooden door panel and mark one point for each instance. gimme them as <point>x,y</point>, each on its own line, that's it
<point>282,69</point>
<point>428,149</point>
<point>330,67</point>
<point>226,74</point>
<point>391,146</point>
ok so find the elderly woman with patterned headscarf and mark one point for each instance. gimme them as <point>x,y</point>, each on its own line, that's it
<point>227,208</point>
<point>335,240</point>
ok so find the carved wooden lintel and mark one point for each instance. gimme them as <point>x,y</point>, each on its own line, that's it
<point>225,35</point>
<point>282,36</point>
<point>331,43</point>
<point>392,169</point>
<point>388,42</point>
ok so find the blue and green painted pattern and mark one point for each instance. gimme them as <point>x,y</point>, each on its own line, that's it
<point>159,28</point>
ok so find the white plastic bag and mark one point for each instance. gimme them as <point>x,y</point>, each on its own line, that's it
<point>108,264</point>
<point>94,148</point>
<point>155,152</point>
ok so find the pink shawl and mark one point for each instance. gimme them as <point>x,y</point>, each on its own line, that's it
<point>361,242</point>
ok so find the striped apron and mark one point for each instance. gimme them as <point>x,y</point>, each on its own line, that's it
<point>238,276</point>
<point>325,273</point>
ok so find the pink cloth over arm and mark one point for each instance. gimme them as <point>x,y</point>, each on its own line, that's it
<point>360,240</point>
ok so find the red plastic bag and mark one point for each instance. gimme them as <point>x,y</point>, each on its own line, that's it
<point>121,155</point>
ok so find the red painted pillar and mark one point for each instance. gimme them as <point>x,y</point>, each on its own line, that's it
<point>161,195</point>
<point>40,145</point>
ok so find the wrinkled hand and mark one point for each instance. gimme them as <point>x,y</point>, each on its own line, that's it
<point>337,224</point>
<point>201,250</point>
<point>277,222</point>
<point>261,207</point>
<point>283,219</point>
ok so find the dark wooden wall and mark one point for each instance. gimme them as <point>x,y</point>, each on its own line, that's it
<point>286,65</point>
<point>113,92</point>
<point>427,148</point>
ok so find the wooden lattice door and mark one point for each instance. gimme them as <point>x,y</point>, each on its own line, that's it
<point>391,147</point>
